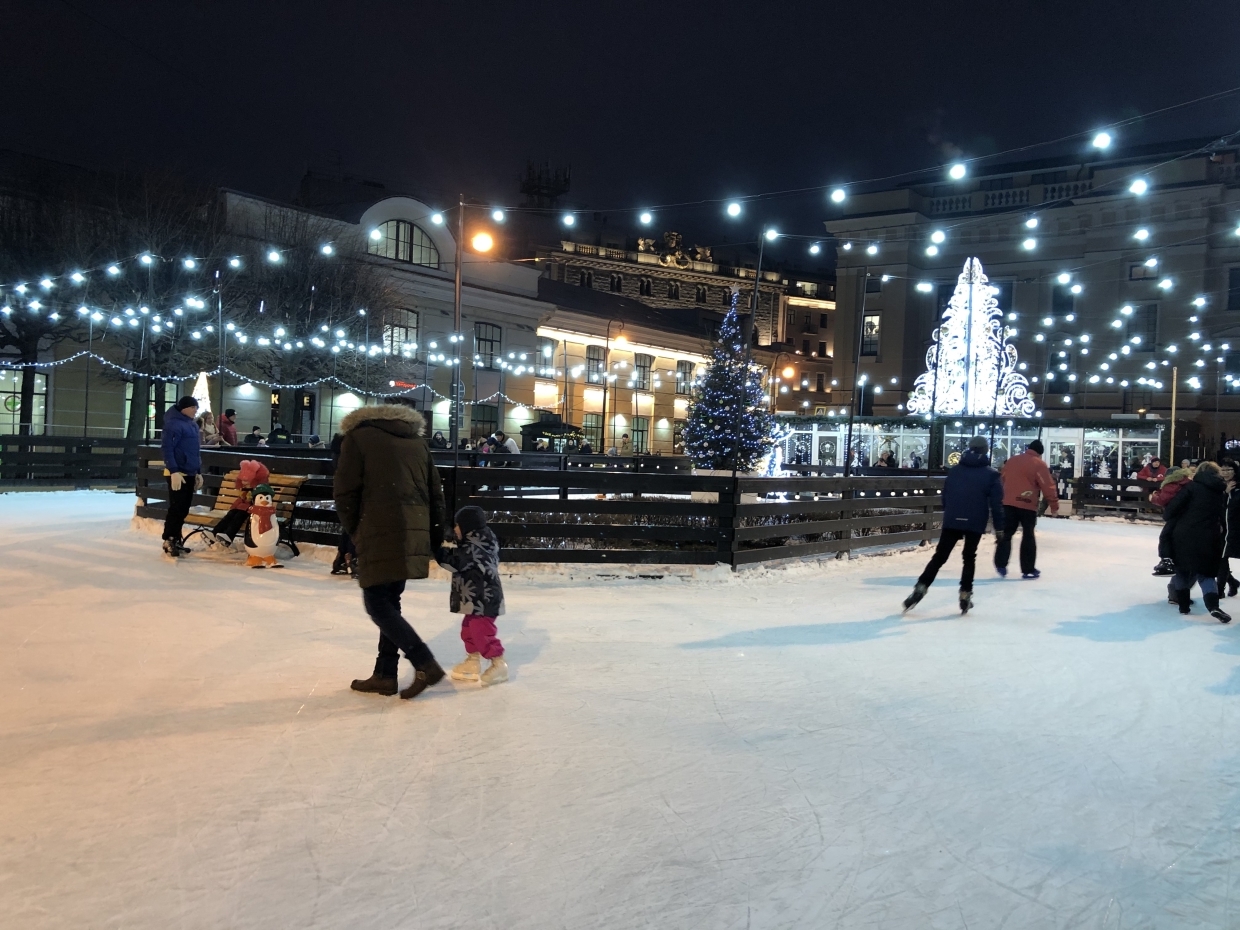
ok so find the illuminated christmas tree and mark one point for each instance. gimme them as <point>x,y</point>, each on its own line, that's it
<point>971,369</point>
<point>729,424</point>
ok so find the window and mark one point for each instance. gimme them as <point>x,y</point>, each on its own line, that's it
<point>1140,271</point>
<point>790,320</point>
<point>673,290</point>
<point>822,383</point>
<point>678,437</point>
<point>641,371</point>
<point>585,278</point>
<point>1049,177</point>
<point>592,428</point>
<point>805,347</point>
<point>402,241</point>
<point>10,402</point>
<point>1233,289</point>
<point>645,287</point>
<point>822,350</point>
<point>616,283</point>
<point>725,299</point>
<point>400,331</point>
<point>1142,325</point>
<point>546,356</point>
<point>641,435</point>
<point>996,184</point>
<point>483,420</point>
<point>594,363</point>
<point>700,294</point>
<point>1062,301</point>
<point>823,321</point>
<point>870,331</point>
<point>873,285</point>
<point>684,377</point>
<point>809,326</point>
<point>488,343</point>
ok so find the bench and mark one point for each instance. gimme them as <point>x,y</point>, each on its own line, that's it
<point>286,489</point>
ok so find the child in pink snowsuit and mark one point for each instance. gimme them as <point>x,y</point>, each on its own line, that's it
<point>477,593</point>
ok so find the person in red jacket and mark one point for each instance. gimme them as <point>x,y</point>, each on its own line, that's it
<point>1154,471</point>
<point>1024,477</point>
<point>227,426</point>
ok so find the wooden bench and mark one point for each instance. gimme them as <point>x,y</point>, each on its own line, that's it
<point>285,487</point>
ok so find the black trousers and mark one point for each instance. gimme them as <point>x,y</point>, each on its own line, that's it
<point>179,503</point>
<point>231,523</point>
<point>947,542</point>
<point>1025,520</point>
<point>395,634</point>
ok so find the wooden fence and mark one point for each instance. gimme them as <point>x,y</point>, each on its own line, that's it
<point>67,461</point>
<point>602,515</point>
<point>1128,497</point>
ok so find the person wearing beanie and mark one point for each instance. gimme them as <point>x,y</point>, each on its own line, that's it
<point>183,466</point>
<point>1024,477</point>
<point>478,594</point>
<point>227,425</point>
<point>971,495</point>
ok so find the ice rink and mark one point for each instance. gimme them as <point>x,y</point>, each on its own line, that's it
<point>179,746</point>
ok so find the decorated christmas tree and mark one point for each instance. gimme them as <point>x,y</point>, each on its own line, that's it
<point>729,423</point>
<point>971,369</point>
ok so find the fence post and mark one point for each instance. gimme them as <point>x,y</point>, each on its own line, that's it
<point>725,520</point>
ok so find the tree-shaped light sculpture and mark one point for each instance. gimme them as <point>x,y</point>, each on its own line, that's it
<point>971,367</point>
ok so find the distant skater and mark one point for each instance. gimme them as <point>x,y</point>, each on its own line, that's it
<point>1195,521</point>
<point>478,594</point>
<point>1024,477</point>
<point>971,495</point>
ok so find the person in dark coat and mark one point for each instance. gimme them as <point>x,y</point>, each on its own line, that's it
<point>183,466</point>
<point>279,436</point>
<point>972,494</point>
<point>1195,522</point>
<point>390,501</point>
<point>345,562</point>
<point>1228,586</point>
<point>478,594</point>
<point>438,441</point>
<point>228,427</point>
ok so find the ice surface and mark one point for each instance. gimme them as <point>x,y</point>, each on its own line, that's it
<point>179,747</point>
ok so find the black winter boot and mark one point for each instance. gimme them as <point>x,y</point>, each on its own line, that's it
<point>1216,612</point>
<point>1182,598</point>
<point>423,678</point>
<point>1233,587</point>
<point>1173,596</point>
<point>375,684</point>
<point>1164,567</point>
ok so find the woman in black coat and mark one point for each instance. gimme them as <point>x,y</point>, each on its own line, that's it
<point>1228,586</point>
<point>1195,521</point>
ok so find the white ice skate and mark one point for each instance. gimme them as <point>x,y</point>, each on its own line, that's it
<point>496,673</point>
<point>469,670</point>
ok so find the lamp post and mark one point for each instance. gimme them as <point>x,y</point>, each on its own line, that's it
<point>859,322</point>
<point>773,380</point>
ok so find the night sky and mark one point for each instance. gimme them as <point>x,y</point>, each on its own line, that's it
<point>649,103</point>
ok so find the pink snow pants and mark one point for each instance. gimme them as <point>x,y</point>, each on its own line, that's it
<point>478,634</point>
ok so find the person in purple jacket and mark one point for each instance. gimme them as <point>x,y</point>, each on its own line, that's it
<point>972,494</point>
<point>183,466</point>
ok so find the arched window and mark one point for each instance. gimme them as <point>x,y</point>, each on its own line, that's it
<point>586,279</point>
<point>701,294</point>
<point>645,287</point>
<point>403,241</point>
<point>726,299</point>
<point>673,290</point>
<point>617,284</point>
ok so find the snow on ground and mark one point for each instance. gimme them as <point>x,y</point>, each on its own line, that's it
<point>179,747</point>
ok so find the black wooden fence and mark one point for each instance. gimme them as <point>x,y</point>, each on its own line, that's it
<point>607,515</point>
<point>67,461</point>
<point>1128,497</point>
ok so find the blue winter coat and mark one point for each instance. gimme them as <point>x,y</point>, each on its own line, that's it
<point>972,493</point>
<point>180,443</point>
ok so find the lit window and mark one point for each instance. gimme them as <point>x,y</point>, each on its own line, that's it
<point>403,241</point>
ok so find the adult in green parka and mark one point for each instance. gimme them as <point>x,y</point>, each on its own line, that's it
<point>390,501</point>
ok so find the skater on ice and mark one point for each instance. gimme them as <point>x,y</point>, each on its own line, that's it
<point>183,466</point>
<point>972,494</point>
<point>1173,483</point>
<point>1228,586</point>
<point>1024,477</point>
<point>478,594</point>
<point>1195,523</point>
<point>390,502</point>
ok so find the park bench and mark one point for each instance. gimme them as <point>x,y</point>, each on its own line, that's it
<point>286,489</point>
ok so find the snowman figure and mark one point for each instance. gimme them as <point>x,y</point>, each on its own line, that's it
<point>262,532</point>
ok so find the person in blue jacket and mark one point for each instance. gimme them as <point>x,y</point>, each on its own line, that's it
<point>183,466</point>
<point>972,494</point>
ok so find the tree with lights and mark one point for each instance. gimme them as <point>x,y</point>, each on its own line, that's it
<point>730,425</point>
<point>971,369</point>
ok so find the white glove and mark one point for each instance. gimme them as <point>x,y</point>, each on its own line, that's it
<point>175,480</point>
<point>197,482</point>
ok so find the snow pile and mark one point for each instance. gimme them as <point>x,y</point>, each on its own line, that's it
<point>179,746</point>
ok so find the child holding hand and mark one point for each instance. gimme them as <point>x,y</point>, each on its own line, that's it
<point>476,593</point>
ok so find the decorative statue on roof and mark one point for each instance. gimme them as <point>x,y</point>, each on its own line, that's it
<point>971,368</point>
<point>646,245</point>
<point>702,253</point>
<point>675,255</point>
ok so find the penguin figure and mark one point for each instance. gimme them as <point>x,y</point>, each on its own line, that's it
<point>262,532</point>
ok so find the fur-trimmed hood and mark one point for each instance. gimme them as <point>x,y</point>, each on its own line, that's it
<point>402,415</point>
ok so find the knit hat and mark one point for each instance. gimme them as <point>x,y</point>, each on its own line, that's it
<point>1036,446</point>
<point>470,519</point>
<point>979,444</point>
<point>186,402</point>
